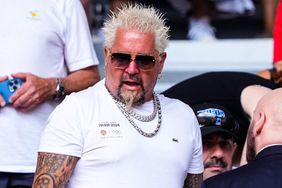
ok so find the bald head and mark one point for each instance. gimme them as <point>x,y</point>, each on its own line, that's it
<point>266,125</point>
<point>271,105</point>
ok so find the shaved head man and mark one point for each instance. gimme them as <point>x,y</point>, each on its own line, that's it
<point>264,148</point>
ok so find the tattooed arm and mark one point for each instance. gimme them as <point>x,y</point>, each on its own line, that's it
<point>53,170</point>
<point>193,181</point>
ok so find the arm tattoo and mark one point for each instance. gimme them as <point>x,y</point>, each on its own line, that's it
<point>193,181</point>
<point>53,170</point>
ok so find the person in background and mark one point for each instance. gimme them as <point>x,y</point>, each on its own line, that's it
<point>120,133</point>
<point>249,99</point>
<point>225,89</point>
<point>218,129</point>
<point>275,73</point>
<point>269,11</point>
<point>46,44</point>
<point>200,27</point>
<point>264,149</point>
<point>117,4</point>
<point>87,8</point>
<point>201,13</point>
<point>222,88</point>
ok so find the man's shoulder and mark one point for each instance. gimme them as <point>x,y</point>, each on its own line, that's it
<point>172,101</point>
<point>90,93</point>
<point>169,102</point>
<point>176,107</point>
<point>63,1</point>
<point>63,4</point>
<point>239,177</point>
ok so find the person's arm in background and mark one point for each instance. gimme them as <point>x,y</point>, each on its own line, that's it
<point>268,11</point>
<point>265,74</point>
<point>80,61</point>
<point>249,99</point>
<point>36,90</point>
<point>87,8</point>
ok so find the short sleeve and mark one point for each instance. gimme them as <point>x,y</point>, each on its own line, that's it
<point>79,48</point>
<point>196,166</point>
<point>63,132</point>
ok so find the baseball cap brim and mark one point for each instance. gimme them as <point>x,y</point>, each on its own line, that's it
<point>214,129</point>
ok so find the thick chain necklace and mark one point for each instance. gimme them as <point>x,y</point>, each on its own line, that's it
<point>143,118</point>
<point>130,113</point>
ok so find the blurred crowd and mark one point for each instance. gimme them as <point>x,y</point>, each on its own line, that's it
<point>196,17</point>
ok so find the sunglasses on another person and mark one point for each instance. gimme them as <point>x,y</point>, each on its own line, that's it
<point>216,117</point>
<point>122,60</point>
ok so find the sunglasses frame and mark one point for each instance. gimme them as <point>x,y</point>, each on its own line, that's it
<point>140,60</point>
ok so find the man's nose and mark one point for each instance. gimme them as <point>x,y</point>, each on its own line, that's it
<point>132,67</point>
<point>217,151</point>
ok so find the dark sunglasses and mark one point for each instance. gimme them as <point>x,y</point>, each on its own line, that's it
<point>122,60</point>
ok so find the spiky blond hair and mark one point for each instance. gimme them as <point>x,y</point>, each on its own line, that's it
<point>140,18</point>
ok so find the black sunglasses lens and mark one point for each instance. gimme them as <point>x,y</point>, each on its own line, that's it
<point>120,60</point>
<point>145,62</point>
<point>215,121</point>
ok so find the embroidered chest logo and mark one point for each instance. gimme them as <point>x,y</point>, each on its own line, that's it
<point>33,14</point>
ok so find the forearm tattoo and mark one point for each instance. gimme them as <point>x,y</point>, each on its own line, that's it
<point>193,181</point>
<point>53,170</point>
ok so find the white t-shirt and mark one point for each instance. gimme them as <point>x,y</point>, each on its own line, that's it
<point>46,38</point>
<point>112,153</point>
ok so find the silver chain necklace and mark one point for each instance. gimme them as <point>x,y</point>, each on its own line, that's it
<point>143,118</point>
<point>127,114</point>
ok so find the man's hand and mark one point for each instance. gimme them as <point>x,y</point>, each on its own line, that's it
<point>33,92</point>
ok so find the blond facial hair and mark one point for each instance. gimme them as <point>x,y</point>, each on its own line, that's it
<point>129,98</point>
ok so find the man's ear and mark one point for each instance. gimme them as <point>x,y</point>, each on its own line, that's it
<point>106,55</point>
<point>162,61</point>
<point>259,124</point>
